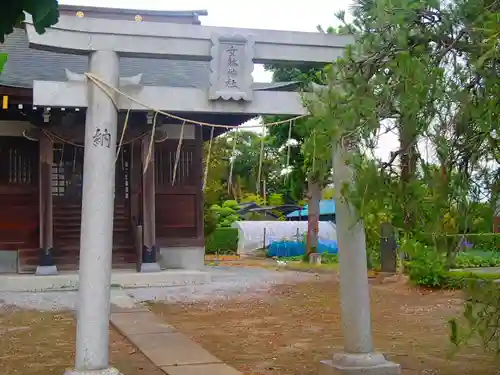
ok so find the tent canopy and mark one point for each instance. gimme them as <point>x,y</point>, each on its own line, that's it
<point>326,207</point>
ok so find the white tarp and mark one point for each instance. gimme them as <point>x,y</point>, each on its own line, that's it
<point>255,235</point>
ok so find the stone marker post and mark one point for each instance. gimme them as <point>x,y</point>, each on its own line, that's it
<point>388,248</point>
<point>92,336</point>
<point>358,356</point>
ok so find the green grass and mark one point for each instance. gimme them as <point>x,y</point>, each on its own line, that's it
<point>329,262</point>
<point>302,266</point>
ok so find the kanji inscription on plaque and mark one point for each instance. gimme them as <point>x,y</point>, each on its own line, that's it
<point>231,68</point>
<point>101,139</point>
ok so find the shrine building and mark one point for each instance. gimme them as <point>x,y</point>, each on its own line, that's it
<point>41,158</point>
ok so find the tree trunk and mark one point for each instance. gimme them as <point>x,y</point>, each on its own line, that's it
<point>408,160</point>
<point>495,206</point>
<point>313,199</point>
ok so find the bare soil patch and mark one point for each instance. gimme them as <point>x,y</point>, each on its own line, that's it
<point>42,343</point>
<point>291,328</point>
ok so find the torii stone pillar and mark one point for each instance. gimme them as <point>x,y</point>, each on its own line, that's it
<point>230,92</point>
<point>358,357</point>
<point>96,243</point>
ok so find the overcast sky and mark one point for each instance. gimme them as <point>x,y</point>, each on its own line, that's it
<point>257,14</point>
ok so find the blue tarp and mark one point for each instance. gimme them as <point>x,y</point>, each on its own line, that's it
<point>290,249</point>
<point>326,207</point>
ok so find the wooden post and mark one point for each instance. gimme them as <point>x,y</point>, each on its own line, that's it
<point>46,263</point>
<point>138,246</point>
<point>264,242</point>
<point>149,263</point>
<point>135,183</point>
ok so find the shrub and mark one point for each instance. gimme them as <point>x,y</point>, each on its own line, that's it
<point>222,240</point>
<point>226,214</point>
<point>461,279</point>
<point>329,258</point>
<point>209,222</point>
<point>476,259</point>
<point>427,266</point>
<point>480,318</point>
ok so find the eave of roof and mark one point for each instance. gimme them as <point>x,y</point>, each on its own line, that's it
<point>159,13</point>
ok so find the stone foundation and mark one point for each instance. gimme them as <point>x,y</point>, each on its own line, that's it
<point>358,364</point>
<point>187,258</point>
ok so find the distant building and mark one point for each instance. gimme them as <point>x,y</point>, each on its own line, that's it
<point>326,212</point>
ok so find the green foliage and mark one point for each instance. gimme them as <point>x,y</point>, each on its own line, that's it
<point>226,214</point>
<point>426,71</point>
<point>3,60</point>
<point>243,185</point>
<point>427,266</point>
<point>480,318</point>
<point>462,279</point>
<point>476,259</point>
<point>276,199</point>
<point>325,258</point>
<point>45,13</point>
<point>222,240</point>
<point>250,197</point>
<point>209,221</point>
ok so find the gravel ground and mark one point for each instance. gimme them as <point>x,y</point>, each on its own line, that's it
<point>226,282</point>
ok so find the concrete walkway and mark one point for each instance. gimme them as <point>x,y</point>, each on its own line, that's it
<point>68,281</point>
<point>169,350</point>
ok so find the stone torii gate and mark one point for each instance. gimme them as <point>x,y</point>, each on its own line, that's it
<point>232,53</point>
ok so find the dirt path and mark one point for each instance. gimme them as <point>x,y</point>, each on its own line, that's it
<point>288,330</point>
<point>42,343</point>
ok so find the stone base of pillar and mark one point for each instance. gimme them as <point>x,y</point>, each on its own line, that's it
<point>186,258</point>
<point>359,364</point>
<point>108,371</point>
<point>46,270</point>
<point>149,263</point>
<point>46,263</point>
<point>150,267</point>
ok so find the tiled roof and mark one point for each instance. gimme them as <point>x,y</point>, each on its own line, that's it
<point>24,65</point>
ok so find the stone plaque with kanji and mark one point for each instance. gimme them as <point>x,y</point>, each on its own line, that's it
<point>231,68</point>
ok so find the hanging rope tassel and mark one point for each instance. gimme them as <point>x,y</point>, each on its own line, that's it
<point>288,148</point>
<point>61,160</point>
<point>261,158</point>
<point>178,153</point>
<point>205,175</point>
<point>150,146</point>
<point>120,144</point>
<point>74,160</point>
<point>231,164</point>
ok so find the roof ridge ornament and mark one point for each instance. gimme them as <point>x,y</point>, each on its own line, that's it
<point>124,81</point>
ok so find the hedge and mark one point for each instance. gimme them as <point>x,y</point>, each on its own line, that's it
<point>222,240</point>
<point>460,279</point>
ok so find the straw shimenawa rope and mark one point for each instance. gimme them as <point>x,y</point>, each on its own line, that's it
<point>261,159</point>
<point>108,89</point>
<point>207,164</point>
<point>231,164</point>
<point>111,90</point>
<point>292,122</point>
<point>178,153</point>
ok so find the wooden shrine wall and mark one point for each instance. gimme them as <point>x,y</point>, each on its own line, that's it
<point>179,205</point>
<point>19,221</point>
